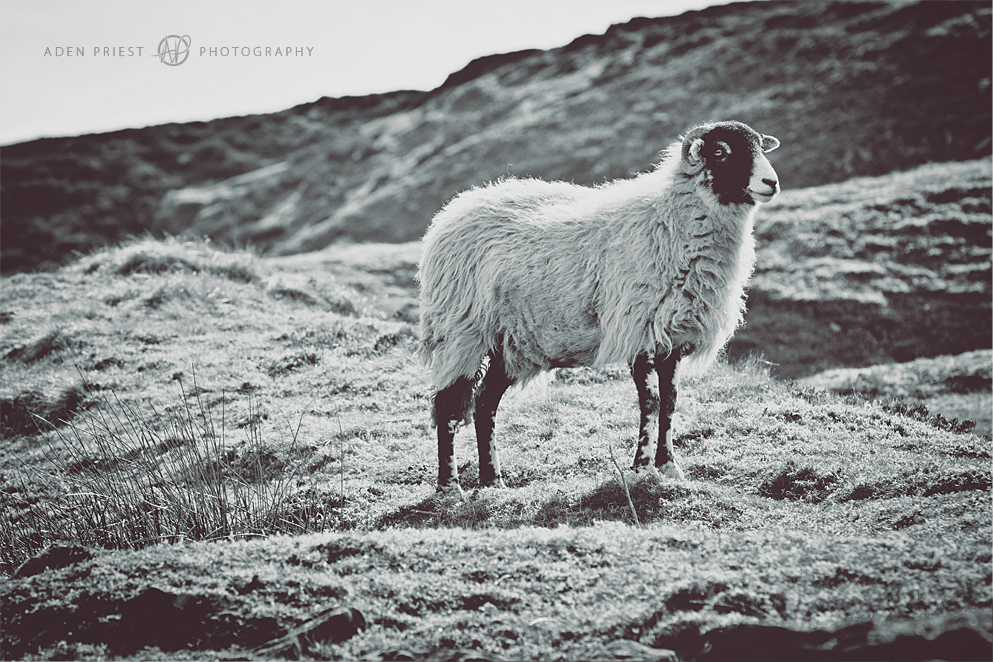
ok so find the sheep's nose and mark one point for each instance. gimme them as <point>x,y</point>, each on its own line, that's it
<point>772,183</point>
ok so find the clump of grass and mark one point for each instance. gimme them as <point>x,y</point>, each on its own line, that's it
<point>33,410</point>
<point>47,345</point>
<point>334,300</point>
<point>292,362</point>
<point>119,482</point>
<point>170,292</point>
<point>150,263</point>
<point>919,412</point>
<point>293,295</point>
<point>146,256</point>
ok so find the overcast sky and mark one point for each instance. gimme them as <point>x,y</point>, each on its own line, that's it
<point>337,48</point>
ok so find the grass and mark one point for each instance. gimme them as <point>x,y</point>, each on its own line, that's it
<point>954,387</point>
<point>530,593</point>
<point>130,456</point>
<point>121,478</point>
<point>206,406</point>
<point>873,271</point>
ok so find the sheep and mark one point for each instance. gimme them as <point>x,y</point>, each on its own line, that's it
<point>521,276</point>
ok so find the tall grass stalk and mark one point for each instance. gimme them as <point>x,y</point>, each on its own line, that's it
<point>341,456</point>
<point>624,484</point>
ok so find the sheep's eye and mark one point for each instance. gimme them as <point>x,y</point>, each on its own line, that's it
<point>718,152</point>
<point>721,151</point>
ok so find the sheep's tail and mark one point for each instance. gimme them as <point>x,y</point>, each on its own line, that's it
<point>449,350</point>
<point>701,359</point>
<point>455,341</point>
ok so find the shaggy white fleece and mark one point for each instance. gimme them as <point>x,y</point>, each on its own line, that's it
<point>553,274</point>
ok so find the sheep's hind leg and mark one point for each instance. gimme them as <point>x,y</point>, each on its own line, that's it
<point>450,407</point>
<point>665,459</point>
<point>494,385</point>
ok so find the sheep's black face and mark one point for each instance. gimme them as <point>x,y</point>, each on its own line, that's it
<point>731,156</point>
<point>730,153</point>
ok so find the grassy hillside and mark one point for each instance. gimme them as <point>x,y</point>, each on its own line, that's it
<point>204,395</point>
<point>953,386</point>
<point>873,270</point>
<point>851,89</point>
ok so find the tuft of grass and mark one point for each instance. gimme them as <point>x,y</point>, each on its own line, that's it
<point>150,263</point>
<point>172,255</point>
<point>339,305</point>
<point>121,480</point>
<point>919,411</point>
<point>30,411</point>
<point>44,346</point>
<point>292,362</point>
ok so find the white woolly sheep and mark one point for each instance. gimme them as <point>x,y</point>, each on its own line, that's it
<point>523,275</point>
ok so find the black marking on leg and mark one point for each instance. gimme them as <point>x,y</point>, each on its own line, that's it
<point>491,390</point>
<point>451,405</point>
<point>666,368</point>
<point>642,370</point>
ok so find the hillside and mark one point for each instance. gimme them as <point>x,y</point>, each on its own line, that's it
<point>204,401</point>
<point>811,526</point>
<point>210,452</point>
<point>851,89</point>
<point>873,270</point>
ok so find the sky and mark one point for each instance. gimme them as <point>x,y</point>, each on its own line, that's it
<point>70,67</point>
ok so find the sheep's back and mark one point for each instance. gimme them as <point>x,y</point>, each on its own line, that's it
<point>510,267</point>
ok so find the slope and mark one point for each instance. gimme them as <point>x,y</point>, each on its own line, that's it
<point>193,394</point>
<point>851,89</point>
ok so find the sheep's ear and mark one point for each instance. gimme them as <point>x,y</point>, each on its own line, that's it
<point>692,162</point>
<point>769,143</point>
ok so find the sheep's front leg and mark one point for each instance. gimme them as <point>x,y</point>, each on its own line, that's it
<point>494,385</point>
<point>643,371</point>
<point>450,406</point>
<point>657,402</point>
<point>665,459</point>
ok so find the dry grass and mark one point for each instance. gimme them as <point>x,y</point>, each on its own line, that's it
<point>223,411</point>
<point>123,478</point>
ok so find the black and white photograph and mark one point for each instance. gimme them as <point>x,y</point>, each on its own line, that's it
<point>462,331</point>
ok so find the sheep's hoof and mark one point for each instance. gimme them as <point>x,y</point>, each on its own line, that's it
<point>452,490</point>
<point>498,483</point>
<point>646,472</point>
<point>671,471</point>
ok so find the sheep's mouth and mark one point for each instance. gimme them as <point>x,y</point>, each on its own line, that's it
<point>762,197</point>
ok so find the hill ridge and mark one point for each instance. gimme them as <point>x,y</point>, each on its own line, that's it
<point>868,88</point>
